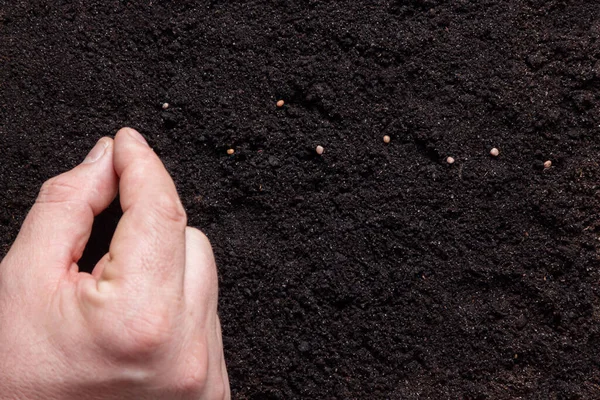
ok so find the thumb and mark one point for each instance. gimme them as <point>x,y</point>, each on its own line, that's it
<point>55,232</point>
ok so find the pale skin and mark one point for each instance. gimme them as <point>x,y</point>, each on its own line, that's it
<point>144,324</point>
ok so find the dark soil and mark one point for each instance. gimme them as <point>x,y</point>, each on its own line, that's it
<point>374,271</point>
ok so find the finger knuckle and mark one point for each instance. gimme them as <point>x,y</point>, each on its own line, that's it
<point>146,334</point>
<point>169,208</point>
<point>57,190</point>
<point>194,382</point>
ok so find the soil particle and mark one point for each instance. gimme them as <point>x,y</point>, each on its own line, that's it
<point>303,347</point>
<point>521,322</point>
<point>274,161</point>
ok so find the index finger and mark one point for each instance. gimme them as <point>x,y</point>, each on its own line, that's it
<point>148,247</point>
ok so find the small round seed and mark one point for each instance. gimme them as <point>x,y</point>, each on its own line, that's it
<point>386,139</point>
<point>547,164</point>
<point>165,106</point>
<point>280,103</point>
<point>320,150</point>
<point>494,152</point>
<point>230,151</point>
<point>450,160</point>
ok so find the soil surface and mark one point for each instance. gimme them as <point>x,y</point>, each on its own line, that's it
<point>374,271</point>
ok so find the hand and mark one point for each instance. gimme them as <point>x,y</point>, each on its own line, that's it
<point>144,324</point>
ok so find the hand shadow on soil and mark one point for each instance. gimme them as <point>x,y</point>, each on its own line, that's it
<point>102,233</point>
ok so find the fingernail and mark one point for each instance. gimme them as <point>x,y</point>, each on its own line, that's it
<point>97,152</point>
<point>137,136</point>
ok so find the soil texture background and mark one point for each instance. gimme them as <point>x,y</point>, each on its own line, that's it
<point>374,271</point>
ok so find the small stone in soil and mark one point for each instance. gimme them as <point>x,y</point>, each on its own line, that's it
<point>274,161</point>
<point>303,347</point>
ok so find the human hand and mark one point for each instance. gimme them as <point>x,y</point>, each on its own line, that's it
<point>144,324</point>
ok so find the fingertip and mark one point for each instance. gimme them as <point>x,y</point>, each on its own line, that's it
<point>123,131</point>
<point>131,151</point>
<point>127,134</point>
<point>101,148</point>
<point>108,140</point>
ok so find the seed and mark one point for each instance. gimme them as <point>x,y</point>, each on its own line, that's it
<point>450,160</point>
<point>320,150</point>
<point>547,164</point>
<point>494,152</point>
<point>280,103</point>
<point>386,139</point>
<point>165,106</point>
<point>230,151</point>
